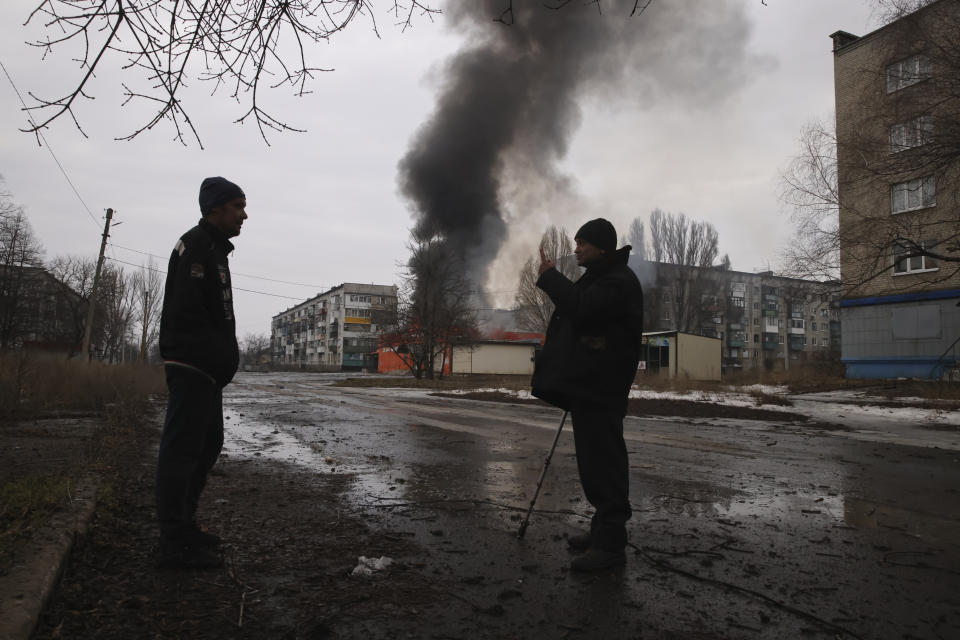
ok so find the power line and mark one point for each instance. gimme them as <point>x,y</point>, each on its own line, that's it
<point>235,273</point>
<point>47,144</point>
<point>161,271</point>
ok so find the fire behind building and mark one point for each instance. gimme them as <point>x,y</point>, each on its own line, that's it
<point>335,330</point>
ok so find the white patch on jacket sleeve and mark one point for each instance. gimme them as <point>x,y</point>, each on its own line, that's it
<point>180,248</point>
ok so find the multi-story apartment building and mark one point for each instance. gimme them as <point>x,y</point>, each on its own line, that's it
<point>335,330</point>
<point>898,170</point>
<point>764,321</point>
<point>39,312</point>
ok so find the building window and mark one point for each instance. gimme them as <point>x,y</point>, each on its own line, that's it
<point>756,321</point>
<point>813,326</point>
<point>913,194</point>
<point>907,135</point>
<point>746,353</point>
<point>780,338</point>
<point>903,262</point>
<point>756,338</point>
<point>904,73</point>
<point>666,314</point>
<point>813,341</point>
<point>797,323</point>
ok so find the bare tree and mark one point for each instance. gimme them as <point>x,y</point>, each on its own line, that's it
<point>636,237</point>
<point>435,311</point>
<point>19,251</point>
<point>240,47</point>
<point>686,289</point>
<point>77,273</point>
<point>533,307</point>
<point>886,11</point>
<point>253,346</point>
<point>808,187</point>
<point>147,285</point>
<point>115,300</point>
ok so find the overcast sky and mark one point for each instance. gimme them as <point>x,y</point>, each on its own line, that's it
<point>324,205</point>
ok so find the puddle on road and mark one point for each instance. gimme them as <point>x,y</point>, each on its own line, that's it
<point>251,439</point>
<point>480,469</point>
<point>255,440</point>
<point>811,507</point>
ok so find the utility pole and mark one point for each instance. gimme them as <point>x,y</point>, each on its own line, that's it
<point>88,329</point>
<point>143,335</point>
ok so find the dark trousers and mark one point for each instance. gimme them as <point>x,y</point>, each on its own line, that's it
<point>189,447</point>
<point>604,472</point>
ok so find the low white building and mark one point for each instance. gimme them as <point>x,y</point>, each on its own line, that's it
<point>674,354</point>
<point>498,357</point>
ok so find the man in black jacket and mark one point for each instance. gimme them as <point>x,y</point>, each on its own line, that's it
<point>198,343</point>
<point>587,367</point>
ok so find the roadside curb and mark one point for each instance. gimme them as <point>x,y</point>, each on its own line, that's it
<point>24,591</point>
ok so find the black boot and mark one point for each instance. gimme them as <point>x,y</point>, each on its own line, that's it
<point>579,542</point>
<point>596,559</point>
<point>185,554</point>
<point>202,538</point>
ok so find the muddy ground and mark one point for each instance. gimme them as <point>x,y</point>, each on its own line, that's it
<point>749,523</point>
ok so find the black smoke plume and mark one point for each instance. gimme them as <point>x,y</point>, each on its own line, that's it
<point>508,102</point>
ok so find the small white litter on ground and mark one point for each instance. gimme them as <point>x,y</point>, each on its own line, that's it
<point>368,566</point>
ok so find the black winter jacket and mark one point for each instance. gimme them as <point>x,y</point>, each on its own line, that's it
<point>592,347</point>
<point>197,327</point>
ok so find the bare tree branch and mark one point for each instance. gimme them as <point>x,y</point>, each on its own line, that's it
<point>236,45</point>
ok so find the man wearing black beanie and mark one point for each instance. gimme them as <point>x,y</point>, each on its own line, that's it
<point>587,366</point>
<point>198,343</point>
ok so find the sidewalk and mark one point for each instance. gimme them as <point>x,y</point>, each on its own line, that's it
<point>25,590</point>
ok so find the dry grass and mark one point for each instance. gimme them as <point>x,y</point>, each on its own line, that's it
<point>38,398</point>
<point>761,398</point>
<point>25,504</point>
<point>33,386</point>
<point>446,383</point>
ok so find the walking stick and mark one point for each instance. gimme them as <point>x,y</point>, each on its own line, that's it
<point>526,521</point>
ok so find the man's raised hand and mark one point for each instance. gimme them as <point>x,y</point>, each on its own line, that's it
<point>545,262</point>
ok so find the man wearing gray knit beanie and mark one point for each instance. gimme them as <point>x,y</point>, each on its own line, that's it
<point>587,366</point>
<point>198,342</point>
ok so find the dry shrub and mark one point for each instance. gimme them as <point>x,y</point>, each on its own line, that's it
<point>35,386</point>
<point>446,383</point>
<point>762,398</point>
<point>680,384</point>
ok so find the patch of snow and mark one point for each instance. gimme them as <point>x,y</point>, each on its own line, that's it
<point>368,566</point>
<point>773,390</point>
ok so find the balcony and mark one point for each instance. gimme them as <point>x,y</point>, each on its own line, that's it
<point>709,330</point>
<point>795,343</point>
<point>770,341</point>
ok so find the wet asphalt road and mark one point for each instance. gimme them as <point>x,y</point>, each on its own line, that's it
<point>741,529</point>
